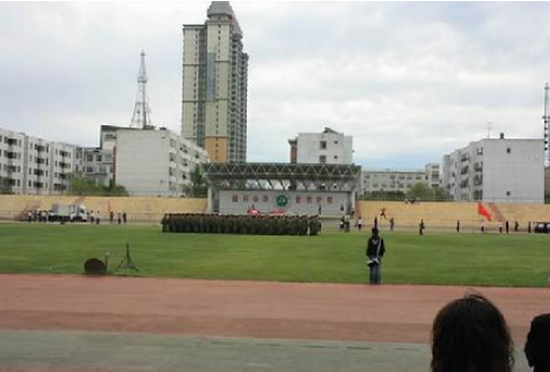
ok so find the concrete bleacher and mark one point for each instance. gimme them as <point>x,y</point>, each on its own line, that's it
<point>144,209</point>
<point>446,214</point>
<point>523,213</point>
<point>433,214</point>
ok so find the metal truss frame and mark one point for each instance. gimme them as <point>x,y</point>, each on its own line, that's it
<point>282,176</point>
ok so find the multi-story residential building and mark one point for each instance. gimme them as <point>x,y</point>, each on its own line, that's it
<point>215,80</point>
<point>496,170</point>
<point>432,172</point>
<point>391,180</point>
<point>546,181</point>
<point>99,162</point>
<point>35,166</point>
<point>327,147</point>
<point>155,162</point>
<point>98,166</point>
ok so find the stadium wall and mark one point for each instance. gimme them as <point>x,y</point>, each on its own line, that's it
<point>142,209</point>
<point>151,209</point>
<point>446,214</point>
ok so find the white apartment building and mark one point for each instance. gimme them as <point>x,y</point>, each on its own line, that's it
<point>327,147</point>
<point>98,166</point>
<point>391,180</point>
<point>215,84</point>
<point>399,180</point>
<point>99,162</point>
<point>432,172</point>
<point>496,170</point>
<point>155,162</point>
<point>35,166</point>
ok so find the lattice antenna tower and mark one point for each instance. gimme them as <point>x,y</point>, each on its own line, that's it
<point>142,113</point>
<point>546,118</point>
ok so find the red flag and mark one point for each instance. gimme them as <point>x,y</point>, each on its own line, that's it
<point>253,212</point>
<point>484,212</point>
<point>278,212</point>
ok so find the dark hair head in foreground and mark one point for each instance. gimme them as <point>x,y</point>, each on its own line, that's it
<point>537,347</point>
<point>471,335</point>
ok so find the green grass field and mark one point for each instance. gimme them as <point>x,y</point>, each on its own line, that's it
<point>443,258</point>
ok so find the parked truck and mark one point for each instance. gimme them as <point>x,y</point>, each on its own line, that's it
<point>68,212</point>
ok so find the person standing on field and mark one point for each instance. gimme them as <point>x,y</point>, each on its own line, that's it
<point>375,252</point>
<point>421,227</point>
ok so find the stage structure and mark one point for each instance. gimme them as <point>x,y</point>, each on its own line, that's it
<point>277,188</point>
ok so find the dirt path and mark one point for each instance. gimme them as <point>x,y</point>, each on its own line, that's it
<point>387,313</point>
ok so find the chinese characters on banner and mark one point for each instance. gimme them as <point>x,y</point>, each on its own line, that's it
<point>298,199</point>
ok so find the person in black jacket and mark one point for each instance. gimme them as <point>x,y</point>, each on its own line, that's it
<point>421,227</point>
<point>538,344</point>
<point>375,252</point>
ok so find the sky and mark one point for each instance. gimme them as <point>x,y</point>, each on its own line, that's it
<point>409,81</point>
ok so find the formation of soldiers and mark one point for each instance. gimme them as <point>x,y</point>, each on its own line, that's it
<point>239,224</point>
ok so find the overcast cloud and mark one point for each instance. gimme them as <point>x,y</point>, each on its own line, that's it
<point>409,81</point>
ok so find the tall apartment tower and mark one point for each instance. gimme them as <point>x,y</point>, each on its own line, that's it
<point>215,76</point>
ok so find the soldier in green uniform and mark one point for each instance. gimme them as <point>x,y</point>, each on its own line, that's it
<point>313,226</point>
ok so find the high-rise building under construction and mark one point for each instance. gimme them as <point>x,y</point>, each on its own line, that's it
<point>215,75</point>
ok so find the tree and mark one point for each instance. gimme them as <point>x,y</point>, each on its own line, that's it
<point>198,185</point>
<point>424,192</point>
<point>440,193</point>
<point>384,195</point>
<point>116,190</point>
<point>79,185</point>
<point>5,186</point>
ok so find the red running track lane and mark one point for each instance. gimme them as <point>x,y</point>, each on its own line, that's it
<point>386,313</point>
